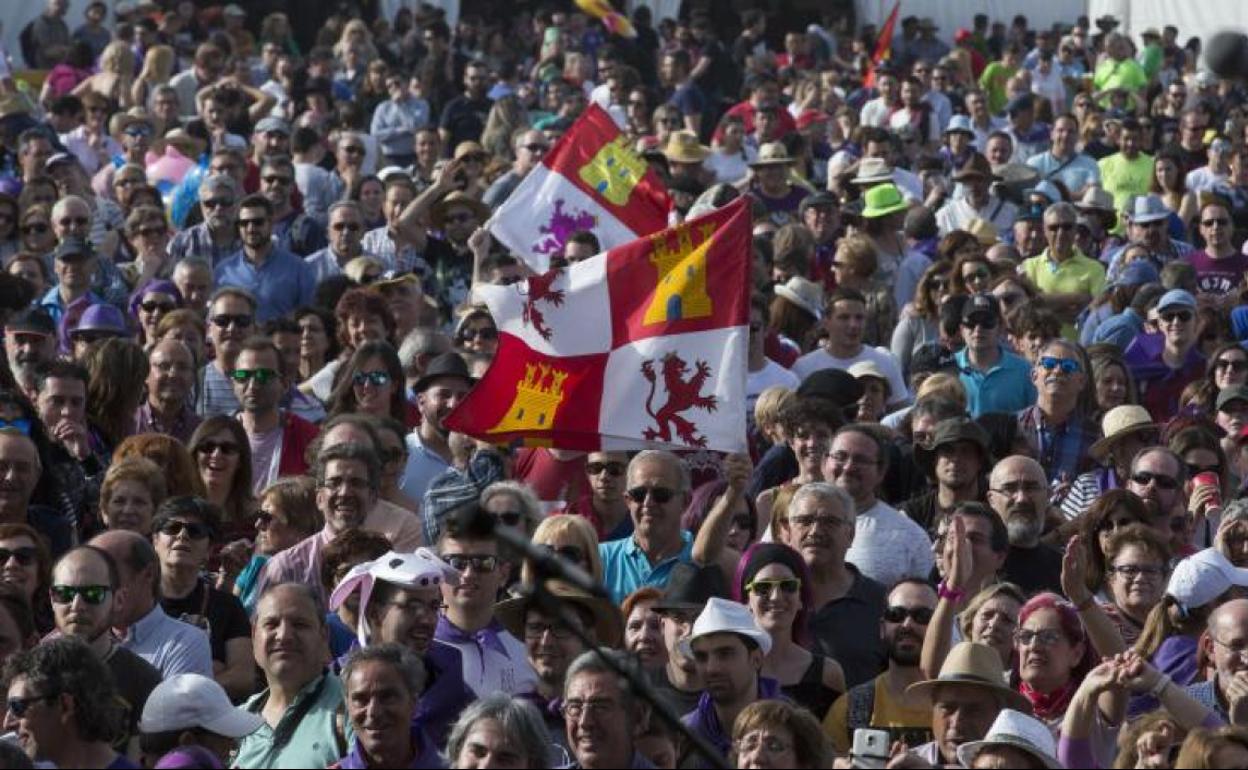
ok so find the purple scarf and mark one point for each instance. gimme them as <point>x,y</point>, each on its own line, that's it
<point>486,638</point>
<point>704,720</point>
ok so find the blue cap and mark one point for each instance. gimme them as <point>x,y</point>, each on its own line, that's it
<point>960,123</point>
<point>1176,298</point>
<point>1020,103</point>
<point>1138,273</point>
<point>1032,212</point>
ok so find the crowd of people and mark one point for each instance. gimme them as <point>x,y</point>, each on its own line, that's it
<point>992,512</point>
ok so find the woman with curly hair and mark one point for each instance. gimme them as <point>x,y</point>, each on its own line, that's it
<point>117,374</point>
<point>132,490</point>
<point>362,316</point>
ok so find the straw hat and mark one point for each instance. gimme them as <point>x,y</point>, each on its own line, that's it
<point>883,200</point>
<point>873,171</point>
<point>1099,202</point>
<point>607,624</point>
<point>804,293</point>
<point>772,154</point>
<point>976,665</point>
<point>1016,730</point>
<point>684,147</point>
<point>1119,422</point>
<point>189,145</point>
<point>437,214</point>
<point>983,231</point>
<point>470,150</point>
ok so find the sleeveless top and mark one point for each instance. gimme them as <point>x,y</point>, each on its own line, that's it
<point>810,691</point>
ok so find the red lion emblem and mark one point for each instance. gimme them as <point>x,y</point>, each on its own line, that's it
<point>539,289</point>
<point>682,396</point>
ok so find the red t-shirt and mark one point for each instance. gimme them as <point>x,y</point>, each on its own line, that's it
<point>550,478</point>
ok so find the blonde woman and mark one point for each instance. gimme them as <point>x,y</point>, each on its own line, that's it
<point>507,118</point>
<point>571,538</point>
<point>157,69</point>
<point>115,78</point>
<point>356,33</point>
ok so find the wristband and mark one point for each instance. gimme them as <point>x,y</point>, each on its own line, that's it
<point>1160,687</point>
<point>943,591</point>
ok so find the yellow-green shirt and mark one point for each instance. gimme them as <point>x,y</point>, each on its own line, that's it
<point>993,81</point>
<point>1077,274</point>
<point>912,725</point>
<point>1124,178</point>
<point>1127,75</point>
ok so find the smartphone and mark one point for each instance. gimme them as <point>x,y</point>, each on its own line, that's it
<point>870,749</point>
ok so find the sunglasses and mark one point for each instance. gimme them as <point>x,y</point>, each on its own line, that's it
<point>25,555</point>
<point>151,306</point>
<point>37,229</point>
<point>1067,365</point>
<point>567,552</point>
<point>485,334</point>
<point>348,227</point>
<point>536,147</point>
<point>596,469</point>
<point>18,706</point>
<point>261,376</point>
<point>460,218</point>
<point>1219,221</point>
<point>660,495</point>
<point>509,518</point>
<point>1182,316</point>
<point>461,562</point>
<point>264,520</point>
<point>174,527</point>
<point>62,594</point>
<point>981,323</point>
<point>243,224</point>
<point>353,150</point>
<point>1060,227</point>
<point>1233,364</point>
<point>762,587</point>
<point>898,614</point>
<point>224,320</point>
<point>1192,470</point>
<point>1144,478</point>
<point>377,379</point>
<point>224,447</point>
<point>217,203</point>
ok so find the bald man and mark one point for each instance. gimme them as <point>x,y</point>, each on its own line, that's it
<point>1019,492</point>
<point>1226,645</point>
<point>172,646</point>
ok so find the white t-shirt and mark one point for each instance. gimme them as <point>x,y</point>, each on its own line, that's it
<point>819,358</point>
<point>889,545</point>
<point>771,374</point>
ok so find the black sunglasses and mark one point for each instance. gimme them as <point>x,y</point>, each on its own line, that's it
<point>661,495</point>
<point>174,527</point>
<point>25,555</point>
<point>898,614</point>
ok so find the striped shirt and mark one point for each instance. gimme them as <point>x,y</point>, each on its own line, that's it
<point>216,394</point>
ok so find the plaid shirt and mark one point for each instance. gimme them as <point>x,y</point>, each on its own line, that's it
<point>1061,449</point>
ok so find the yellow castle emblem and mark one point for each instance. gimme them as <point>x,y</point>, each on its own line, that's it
<point>538,397</point>
<point>614,171</point>
<point>680,292</point>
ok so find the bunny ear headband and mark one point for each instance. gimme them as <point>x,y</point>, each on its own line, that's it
<point>422,569</point>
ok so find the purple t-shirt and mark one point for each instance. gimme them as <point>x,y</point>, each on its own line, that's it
<point>1218,276</point>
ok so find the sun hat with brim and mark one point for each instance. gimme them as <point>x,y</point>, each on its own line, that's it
<point>392,278</point>
<point>1017,176</point>
<point>722,616</point>
<point>1117,423</point>
<point>437,214</point>
<point>873,171</point>
<point>772,154</point>
<point>804,293</point>
<point>953,431</point>
<point>189,145</point>
<point>118,124</point>
<point>1098,201</point>
<point>975,167</point>
<point>1176,298</point>
<point>446,365</point>
<point>1233,393</point>
<point>984,231</point>
<point>607,624</point>
<point>971,664</point>
<point>883,200</point>
<point>1018,731</point>
<point>193,701</point>
<point>1147,208</point>
<point>420,569</point>
<point>684,147</point>
<point>1203,577</point>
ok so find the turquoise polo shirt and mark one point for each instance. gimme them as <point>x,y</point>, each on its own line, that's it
<point>625,567</point>
<point>1005,387</point>
<point>306,735</point>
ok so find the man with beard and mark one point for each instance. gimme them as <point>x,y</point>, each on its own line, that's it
<point>493,659</point>
<point>231,320</point>
<point>295,231</point>
<point>170,377</point>
<point>348,478</point>
<point>552,644</point>
<point>383,687</point>
<point>956,458</point>
<point>29,343</point>
<point>1019,492</point>
<point>216,237</point>
<point>1157,477</point>
<point>445,383</point>
<point>279,439</point>
<point>728,648</point>
<point>1056,425</point>
<point>883,703</point>
<point>279,280</point>
<point>84,593</point>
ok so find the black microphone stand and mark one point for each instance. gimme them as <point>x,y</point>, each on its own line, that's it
<point>474,521</point>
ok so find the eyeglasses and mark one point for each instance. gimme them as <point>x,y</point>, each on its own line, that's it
<point>347,227</point>
<point>595,707</point>
<point>1235,649</point>
<point>484,334</point>
<point>763,587</point>
<point>36,229</point>
<point>754,741</point>
<point>509,518</point>
<point>174,527</point>
<point>151,306</point>
<point>597,469</point>
<point>261,376</point>
<point>1182,316</point>
<point>377,379</point>
<point>1134,571</point>
<point>224,320</point>
<point>217,203</point>
<point>62,594</point>
<point>1025,637</point>
<point>1233,364</point>
<point>898,614</point>
<point>981,323</point>
<point>807,521</point>
<point>18,706</point>
<point>432,608</point>
<point>1218,221</point>
<point>227,448</point>
<point>538,630</point>
<point>462,561</point>
<point>976,275</point>
<point>660,495</point>
<point>1144,478</point>
<point>25,555</point>
<point>1067,365</point>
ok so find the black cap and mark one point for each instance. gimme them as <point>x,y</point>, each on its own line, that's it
<point>445,365</point>
<point>821,198</point>
<point>689,587</point>
<point>74,248</point>
<point>932,358</point>
<point>980,306</point>
<point>32,320</point>
<point>951,431</point>
<point>836,386</point>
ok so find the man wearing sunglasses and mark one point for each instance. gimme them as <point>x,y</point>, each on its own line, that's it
<point>530,147</point>
<point>296,231</point>
<point>1149,219</point>
<point>84,595</point>
<point>603,503</point>
<point>1057,425</point>
<point>279,280</point>
<point>1068,278</point>
<point>1220,266</point>
<point>1164,364</point>
<point>346,230</point>
<point>882,703</point>
<point>216,237</point>
<point>1158,477</point>
<point>279,438</point>
<point>996,379</point>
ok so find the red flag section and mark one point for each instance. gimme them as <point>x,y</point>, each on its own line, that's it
<point>883,45</point>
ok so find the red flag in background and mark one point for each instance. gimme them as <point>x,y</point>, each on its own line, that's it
<point>883,46</point>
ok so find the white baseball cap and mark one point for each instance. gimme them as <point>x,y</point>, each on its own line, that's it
<point>1203,577</point>
<point>188,701</point>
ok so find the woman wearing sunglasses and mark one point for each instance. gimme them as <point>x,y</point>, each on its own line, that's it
<point>919,322</point>
<point>26,567</point>
<point>477,332</point>
<point>372,382</point>
<point>775,583</point>
<point>571,538</point>
<point>287,514</point>
<point>222,455</point>
<point>183,532</point>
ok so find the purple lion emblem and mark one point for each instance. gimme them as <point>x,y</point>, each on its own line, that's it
<point>561,225</point>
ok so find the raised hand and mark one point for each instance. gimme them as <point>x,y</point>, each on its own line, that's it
<point>1074,572</point>
<point>958,556</point>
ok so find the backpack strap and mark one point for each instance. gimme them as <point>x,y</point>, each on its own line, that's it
<point>861,706</point>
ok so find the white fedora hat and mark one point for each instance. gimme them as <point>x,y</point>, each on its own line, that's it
<point>1017,730</point>
<point>721,616</point>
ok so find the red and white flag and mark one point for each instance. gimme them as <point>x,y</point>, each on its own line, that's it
<point>590,180</point>
<point>643,345</point>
